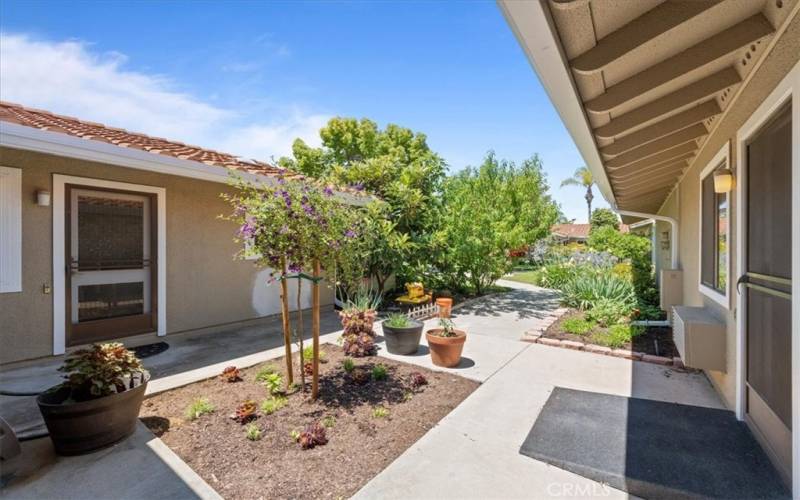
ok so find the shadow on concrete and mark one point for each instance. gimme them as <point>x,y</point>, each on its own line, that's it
<point>522,303</point>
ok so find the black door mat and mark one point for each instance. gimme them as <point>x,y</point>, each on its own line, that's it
<point>652,449</point>
<point>145,351</point>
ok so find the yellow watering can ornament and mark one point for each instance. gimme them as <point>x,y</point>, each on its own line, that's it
<point>415,294</point>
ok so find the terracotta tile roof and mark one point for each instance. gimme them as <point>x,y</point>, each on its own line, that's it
<point>580,231</point>
<point>44,120</point>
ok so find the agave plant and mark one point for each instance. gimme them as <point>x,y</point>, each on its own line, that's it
<point>587,289</point>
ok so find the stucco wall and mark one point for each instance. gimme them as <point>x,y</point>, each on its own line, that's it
<point>683,203</point>
<point>205,285</point>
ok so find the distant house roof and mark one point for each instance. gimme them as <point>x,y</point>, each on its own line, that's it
<point>45,120</point>
<point>578,231</point>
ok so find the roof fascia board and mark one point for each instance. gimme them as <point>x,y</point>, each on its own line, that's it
<point>535,32</point>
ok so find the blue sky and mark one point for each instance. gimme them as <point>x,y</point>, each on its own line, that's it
<point>249,77</point>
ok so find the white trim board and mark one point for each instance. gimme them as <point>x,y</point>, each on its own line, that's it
<point>59,257</point>
<point>787,89</point>
<point>721,157</point>
<point>13,135</point>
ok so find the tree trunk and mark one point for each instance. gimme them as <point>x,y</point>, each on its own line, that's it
<point>315,331</point>
<point>300,335</point>
<point>287,335</point>
<point>589,197</point>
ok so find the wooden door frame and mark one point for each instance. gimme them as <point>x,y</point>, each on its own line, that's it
<point>61,237</point>
<point>787,90</point>
<point>144,323</point>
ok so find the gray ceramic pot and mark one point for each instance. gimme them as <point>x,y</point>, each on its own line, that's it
<point>403,340</point>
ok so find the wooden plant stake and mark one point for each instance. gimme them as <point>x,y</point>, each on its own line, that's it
<point>301,331</point>
<point>315,331</point>
<point>287,338</point>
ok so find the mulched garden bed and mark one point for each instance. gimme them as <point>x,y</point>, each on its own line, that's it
<point>360,444</point>
<point>655,340</point>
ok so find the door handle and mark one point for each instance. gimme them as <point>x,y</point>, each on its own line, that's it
<point>743,279</point>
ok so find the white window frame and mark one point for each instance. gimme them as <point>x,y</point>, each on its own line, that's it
<point>11,243</point>
<point>59,255</point>
<point>722,157</point>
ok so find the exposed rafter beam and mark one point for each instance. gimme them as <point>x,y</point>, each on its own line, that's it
<point>693,93</point>
<point>648,149</point>
<point>655,169</point>
<point>636,33</point>
<point>670,125</point>
<point>705,52</point>
<point>664,156</point>
<point>650,177</point>
<point>654,184</point>
<point>656,194</point>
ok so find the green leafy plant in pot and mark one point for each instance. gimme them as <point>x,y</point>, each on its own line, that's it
<point>446,343</point>
<point>98,403</point>
<point>402,334</point>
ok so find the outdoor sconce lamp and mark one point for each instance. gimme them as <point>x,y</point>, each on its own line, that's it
<point>43,198</point>
<point>723,180</point>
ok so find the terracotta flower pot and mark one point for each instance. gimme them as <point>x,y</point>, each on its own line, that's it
<point>445,351</point>
<point>445,306</point>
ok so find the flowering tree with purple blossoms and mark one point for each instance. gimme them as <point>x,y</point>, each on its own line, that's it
<point>297,230</point>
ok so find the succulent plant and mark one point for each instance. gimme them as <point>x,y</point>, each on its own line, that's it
<point>313,435</point>
<point>245,412</point>
<point>379,371</point>
<point>348,364</point>
<point>417,380</point>
<point>359,376</point>
<point>231,374</point>
<point>101,370</point>
<point>252,432</point>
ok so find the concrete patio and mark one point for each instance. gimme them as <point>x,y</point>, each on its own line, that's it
<point>472,453</point>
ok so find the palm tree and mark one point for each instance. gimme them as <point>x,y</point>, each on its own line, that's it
<point>583,178</point>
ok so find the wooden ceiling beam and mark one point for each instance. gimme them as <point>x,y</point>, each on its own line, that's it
<point>654,169</point>
<point>698,91</point>
<point>634,182</point>
<point>654,184</point>
<point>667,155</point>
<point>709,50</point>
<point>652,24</point>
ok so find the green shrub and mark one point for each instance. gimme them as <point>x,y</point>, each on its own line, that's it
<point>577,326</point>
<point>273,404</point>
<point>587,289</point>
<point>198,408</point>
<point>379,371</point>
<point>380,412</point>
<point>556,275</point>
<point>617,335</point>
<point>252,432</point>
<point>607,312</point>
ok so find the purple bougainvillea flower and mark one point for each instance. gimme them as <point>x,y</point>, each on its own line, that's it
<point>295,268</point>
<point>248,229</point>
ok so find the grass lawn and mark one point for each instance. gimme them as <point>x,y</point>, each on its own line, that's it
<point>529,277</point>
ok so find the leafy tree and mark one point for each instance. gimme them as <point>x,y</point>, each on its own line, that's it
<point>637,250</point>
<point>395,164</point>
<point>604,217</point>
<point>487,212</point>
<point>582,178</point>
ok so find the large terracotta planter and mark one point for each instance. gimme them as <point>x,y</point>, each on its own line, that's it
<point>403,340</point>
<point>82,427</point>
<point>445,351</point>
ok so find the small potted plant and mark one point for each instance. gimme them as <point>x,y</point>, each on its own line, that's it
<point>446,343</point>
<point>402,334</point>
<point>98,403</point>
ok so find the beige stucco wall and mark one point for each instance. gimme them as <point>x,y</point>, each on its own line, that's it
<point>205,285</point>
<point>683,203</point>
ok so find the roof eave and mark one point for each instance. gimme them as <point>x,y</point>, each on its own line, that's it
<point>533,27</point>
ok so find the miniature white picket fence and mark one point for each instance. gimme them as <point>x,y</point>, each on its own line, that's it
<point>424,311</point>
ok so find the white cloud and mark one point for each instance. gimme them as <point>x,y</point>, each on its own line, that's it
<point>69,78</point>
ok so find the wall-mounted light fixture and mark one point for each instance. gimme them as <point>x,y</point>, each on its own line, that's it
<point>43,198</point>
<point>723,180</point>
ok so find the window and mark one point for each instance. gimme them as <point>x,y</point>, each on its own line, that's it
<point>714,236</point>
<point>10,230</point>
